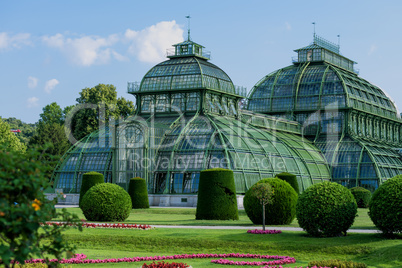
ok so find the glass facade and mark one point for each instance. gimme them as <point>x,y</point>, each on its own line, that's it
<point>188,119</point>
<point>316,119</point>
<point>92,153</point>
<point>347,118</point>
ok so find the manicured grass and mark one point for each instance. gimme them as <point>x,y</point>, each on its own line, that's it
<point>371,249</point>
<point>186,217</point>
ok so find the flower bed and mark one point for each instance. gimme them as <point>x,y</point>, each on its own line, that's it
<point>257,231</point>
<point>269,262</point>
<point>107,225</point>
<point>165,265</point>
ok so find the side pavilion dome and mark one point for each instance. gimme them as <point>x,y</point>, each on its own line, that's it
<point>352,121</point>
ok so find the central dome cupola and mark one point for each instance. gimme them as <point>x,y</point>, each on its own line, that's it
<point>187,82</point>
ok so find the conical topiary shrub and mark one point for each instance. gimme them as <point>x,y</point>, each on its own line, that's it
<point>291,179</point>
<point>362,196</point>
<point>217,195</point>
<point>89,179</point>
<point>137,189</point>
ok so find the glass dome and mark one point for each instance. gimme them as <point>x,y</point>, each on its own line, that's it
<point>352,121</point>
<point>186,74</point>
<point>308,87</point>
<point>253,153</point>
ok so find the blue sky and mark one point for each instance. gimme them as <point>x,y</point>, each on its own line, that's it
<point>51,50</point>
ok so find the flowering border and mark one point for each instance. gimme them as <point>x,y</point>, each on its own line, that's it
<point>257,231</point>
<point>166,265</point>
<point>276,260</point>
<point>105,225</point>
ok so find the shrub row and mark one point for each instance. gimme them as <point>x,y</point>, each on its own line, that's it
<point>324,209</point>
<point>328,208</point>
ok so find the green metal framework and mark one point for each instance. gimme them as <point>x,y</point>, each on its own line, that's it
<point>187,120</point>
<point>92,153</point>
<point>353,122</point>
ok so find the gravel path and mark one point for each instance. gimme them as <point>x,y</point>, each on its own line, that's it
<point>364,231</point>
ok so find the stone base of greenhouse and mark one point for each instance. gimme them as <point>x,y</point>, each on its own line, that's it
<point>157,200</point>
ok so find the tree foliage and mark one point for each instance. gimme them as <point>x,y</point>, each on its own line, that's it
<point>95,107</point>
<point>27,130</point>
<point>52,114</point>
<point>50,134</point>
<point>23,207</point>
<point>9,139</point>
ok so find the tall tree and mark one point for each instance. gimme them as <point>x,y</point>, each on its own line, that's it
<point>50,138</point>
<point>96,106</point>
<point>52,113</point>
<point>9,139</point>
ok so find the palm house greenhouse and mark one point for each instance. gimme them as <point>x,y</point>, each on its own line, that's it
<point>316,119</point>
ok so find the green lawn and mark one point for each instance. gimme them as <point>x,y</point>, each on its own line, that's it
<point>186,216</point>
<point>372,249</point>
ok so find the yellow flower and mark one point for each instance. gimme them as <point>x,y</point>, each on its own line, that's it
<point>36,204</point>
<point>2,214</point>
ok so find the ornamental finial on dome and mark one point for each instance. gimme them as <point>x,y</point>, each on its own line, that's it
<point>188,28</point>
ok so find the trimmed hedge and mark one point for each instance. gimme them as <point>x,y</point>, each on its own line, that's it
<point>89,179</point>
<point>106,202</point>
<point>385,207</point>
<point>362,196</point>
<point>326,209</point>
<point>291,179</point>
<point>217,195</point>
<point>137,189</point>
<point>337,264</point>
<point>282,210</point>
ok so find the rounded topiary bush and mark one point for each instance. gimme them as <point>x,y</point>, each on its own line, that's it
<point>89,179</point>
<point>291,179</point>
<point>137,189</point>
<point>217,195</point>
<point>362,196</point>
<point>106,202</point>
<point>326,209</point>
<point>385,206</point>
<point>282,210</point>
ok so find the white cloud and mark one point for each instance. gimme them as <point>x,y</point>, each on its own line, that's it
<point>119,57</point>
<point>288,26</point>
<point>150,44</point>
<point>32,102</point>
<point>32,82</point>
<point>372,49</point>
<point>50,85</point>
<point>14,41</point>
<point>85,50</point>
